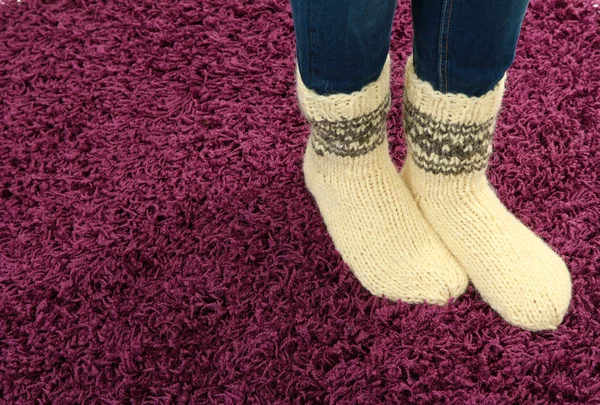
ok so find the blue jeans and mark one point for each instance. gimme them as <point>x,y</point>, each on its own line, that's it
<point>459,46</point>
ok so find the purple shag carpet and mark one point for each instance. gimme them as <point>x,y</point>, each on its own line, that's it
<point>157,244</point>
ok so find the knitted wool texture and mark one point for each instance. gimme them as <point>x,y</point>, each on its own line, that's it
<point>449,141</point>
<point>367,209</point>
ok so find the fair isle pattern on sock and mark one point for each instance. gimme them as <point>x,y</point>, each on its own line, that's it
<point>447,148</point>
<point>351,137</point>
<point>449,136</point>
<point>367,209</point>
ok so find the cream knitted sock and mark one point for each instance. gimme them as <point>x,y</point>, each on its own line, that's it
<point>367,208</point>
<point>449,139</point>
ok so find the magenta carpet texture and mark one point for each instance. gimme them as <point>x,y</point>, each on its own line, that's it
<point>158,245</point>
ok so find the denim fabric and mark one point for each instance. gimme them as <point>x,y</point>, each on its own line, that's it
<point>459,46</point>
<point>465,46</point>
<point>341,45</point>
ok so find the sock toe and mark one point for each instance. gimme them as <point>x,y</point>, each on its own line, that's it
<point>540,308</point>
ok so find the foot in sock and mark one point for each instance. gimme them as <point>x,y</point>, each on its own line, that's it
<point>449,139</point>
<point>367,209</point>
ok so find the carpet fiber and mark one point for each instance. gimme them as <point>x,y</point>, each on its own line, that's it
<point>157,243</point>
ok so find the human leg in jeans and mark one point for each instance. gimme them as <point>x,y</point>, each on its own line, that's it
<point>344,91</point>
<point>454,84</point>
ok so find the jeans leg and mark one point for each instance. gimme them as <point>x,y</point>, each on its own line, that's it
<point>465,46</point>
<point>341,45</point>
